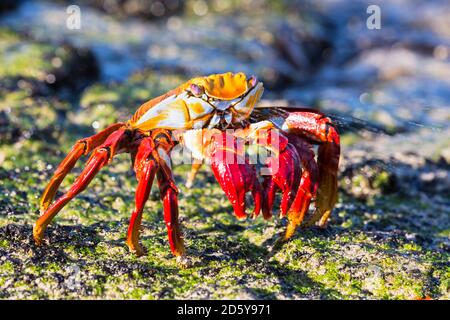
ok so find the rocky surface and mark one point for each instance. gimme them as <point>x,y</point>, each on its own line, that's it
<point>387,90</point>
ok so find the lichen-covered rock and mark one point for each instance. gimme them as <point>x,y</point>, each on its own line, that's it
<point>37,81</point>
<point>365,176</point>
<point>26,116</point>
<point>389,248</point>
<point>42,68</point>
<point>81,262</point>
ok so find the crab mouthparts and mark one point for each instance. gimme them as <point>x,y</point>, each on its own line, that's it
<point>223,105</point>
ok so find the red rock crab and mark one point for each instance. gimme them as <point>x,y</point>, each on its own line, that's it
<point>215,118</point>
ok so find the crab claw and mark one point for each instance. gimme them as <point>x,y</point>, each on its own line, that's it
<point>284,178</point>
<point>270,190</point>
<point>234,174</point>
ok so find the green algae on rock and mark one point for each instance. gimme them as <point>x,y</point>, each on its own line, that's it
<point>42,67</point>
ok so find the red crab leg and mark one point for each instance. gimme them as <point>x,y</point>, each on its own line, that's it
<point>307,188</point>
<point>235,178</point>
<point>285,178</point>
<point>145,167</point>
<point>83,146</point>
<point>170,202</point>
<point>270,190</point>
<point>99,158</point>
<point>319,129</point>
<point>284,167</point>
<point>169,192</point>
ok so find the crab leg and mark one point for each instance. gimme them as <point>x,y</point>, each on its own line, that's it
<point>145,167</point>
<point>168,192</point>
<point>100,157</point>
<point>295,176</point>
<point>270,190</point>
<point>307,188</point>
<point>318,128</point>
<point>81,147</point>
<point>170,202</point>
<point>284,166</point>
<point>286,179</point>
<point>235,178</point>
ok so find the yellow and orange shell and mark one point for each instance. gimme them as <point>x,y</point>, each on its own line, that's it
<point>177,109</point>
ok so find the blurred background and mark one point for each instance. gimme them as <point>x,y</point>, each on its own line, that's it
<point>66,72</point>
<point>316,53</point>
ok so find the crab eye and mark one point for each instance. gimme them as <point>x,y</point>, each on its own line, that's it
<point>253,81</point>
<point>196,90</point>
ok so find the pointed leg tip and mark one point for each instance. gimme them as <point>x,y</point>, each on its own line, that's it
<point>184,262</point>
<point>319,218</point>
<point>323,222</point>
<point>267,214</point>
<point>135,248</point>
<point>179,252</point>
<point>38,235</point>
<point>138,251</point>
<point>38,242</point>
<point>290,231</point>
